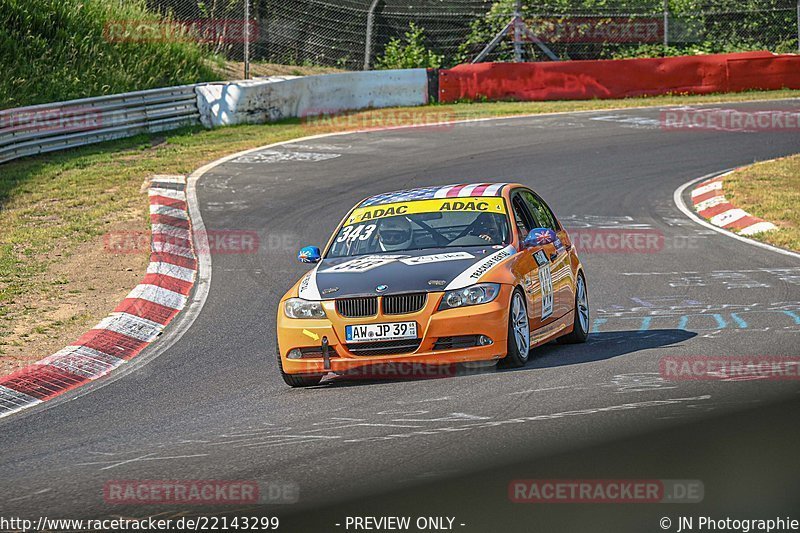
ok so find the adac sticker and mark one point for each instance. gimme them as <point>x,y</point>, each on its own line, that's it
<point>480,204</point>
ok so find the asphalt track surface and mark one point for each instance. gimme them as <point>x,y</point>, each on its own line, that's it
<point>213,406</point>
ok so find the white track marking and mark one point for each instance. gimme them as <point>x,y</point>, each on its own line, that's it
<point>158,209</point>
<point>132,326</point>
<point>168,193</point>
<point>728,217</point>
<point>758,227</point>
<point>158,295</point>
<point>711,202</point>
<point>174,249</point>
<point>713,186</point>
<point>12,401</point>
<point>172,231</point>
<point>168,269</point>
<point>168,178</point>
<point>677,197</point>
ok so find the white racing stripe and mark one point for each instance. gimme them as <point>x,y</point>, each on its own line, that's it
<point>442,193</point>
<point>467,191</point>
<point>308,289</point>
<point>492,190</point>
<point>471,275</point>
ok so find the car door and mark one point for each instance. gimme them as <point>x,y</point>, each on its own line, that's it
<point>557,253</point>
<point>532,268</point>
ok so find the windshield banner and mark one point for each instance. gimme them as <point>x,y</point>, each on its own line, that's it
<point>438,205</point>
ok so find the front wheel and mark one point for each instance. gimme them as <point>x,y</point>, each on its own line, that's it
<point>580,327</point>
<point>299,380</point>
<point>519,333</point>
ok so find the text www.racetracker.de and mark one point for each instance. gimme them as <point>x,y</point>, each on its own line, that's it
<point>197,523</point>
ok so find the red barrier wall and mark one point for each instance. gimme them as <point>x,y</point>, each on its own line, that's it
<point>583,80</point>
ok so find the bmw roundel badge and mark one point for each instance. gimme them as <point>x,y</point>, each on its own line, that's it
<point>381,288</point>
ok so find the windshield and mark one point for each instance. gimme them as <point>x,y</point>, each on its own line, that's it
<point>421,224</point>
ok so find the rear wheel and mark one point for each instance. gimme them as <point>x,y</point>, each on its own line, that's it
<point>519,333</point>
<point>580,327</point>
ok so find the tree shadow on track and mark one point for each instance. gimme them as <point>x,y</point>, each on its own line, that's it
<point>599,347</point>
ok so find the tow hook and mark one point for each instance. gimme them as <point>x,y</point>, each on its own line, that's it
<point>326,356</point>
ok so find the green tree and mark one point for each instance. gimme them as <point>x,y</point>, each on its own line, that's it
<point>409,52</point>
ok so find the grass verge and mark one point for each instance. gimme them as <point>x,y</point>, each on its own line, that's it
<point>55,208</point>
<point>770,190</point>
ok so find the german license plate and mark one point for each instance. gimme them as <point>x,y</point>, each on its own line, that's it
<point>390,331</point>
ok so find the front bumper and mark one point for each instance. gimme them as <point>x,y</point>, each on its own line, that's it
<point>489,319</point>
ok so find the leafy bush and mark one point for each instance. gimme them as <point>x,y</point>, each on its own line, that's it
<point>696,26</point>
<point>53,50</point>
<point>409,52</point>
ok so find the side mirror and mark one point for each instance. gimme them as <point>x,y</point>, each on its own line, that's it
<point>309,254</point>
<point>539,237</point>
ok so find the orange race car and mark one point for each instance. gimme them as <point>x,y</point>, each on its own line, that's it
<point>434,276</point>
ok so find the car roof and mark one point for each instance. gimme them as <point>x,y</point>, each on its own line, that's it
<point>438,191</point>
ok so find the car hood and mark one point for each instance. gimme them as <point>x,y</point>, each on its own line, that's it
<point>429,270</point>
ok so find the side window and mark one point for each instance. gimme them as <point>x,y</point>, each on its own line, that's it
<point>541,213</point>
<point>521,216</point>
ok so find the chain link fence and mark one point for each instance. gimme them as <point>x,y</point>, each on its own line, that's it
<point>359,34</point>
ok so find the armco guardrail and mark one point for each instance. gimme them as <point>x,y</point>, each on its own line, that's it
<point>48,127</point>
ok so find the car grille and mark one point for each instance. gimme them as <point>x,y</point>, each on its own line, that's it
<point>453,343</point>
<point>357,307</point>
<point>400,304</point>
<point>384,347</point>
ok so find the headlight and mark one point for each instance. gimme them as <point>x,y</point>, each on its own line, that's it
<point>473,295</point>
<point>299,308</point>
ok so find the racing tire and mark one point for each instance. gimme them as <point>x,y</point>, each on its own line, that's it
<point>299,380</point>
<point>580,326</point>
<point>519,333</point>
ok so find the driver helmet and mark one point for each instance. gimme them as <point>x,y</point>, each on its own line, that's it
<point>486,224</point>
<point>395,234</point>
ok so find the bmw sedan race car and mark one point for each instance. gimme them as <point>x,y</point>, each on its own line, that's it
<point>434,276</point>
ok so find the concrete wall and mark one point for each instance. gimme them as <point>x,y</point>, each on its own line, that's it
<point>270,99</point>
